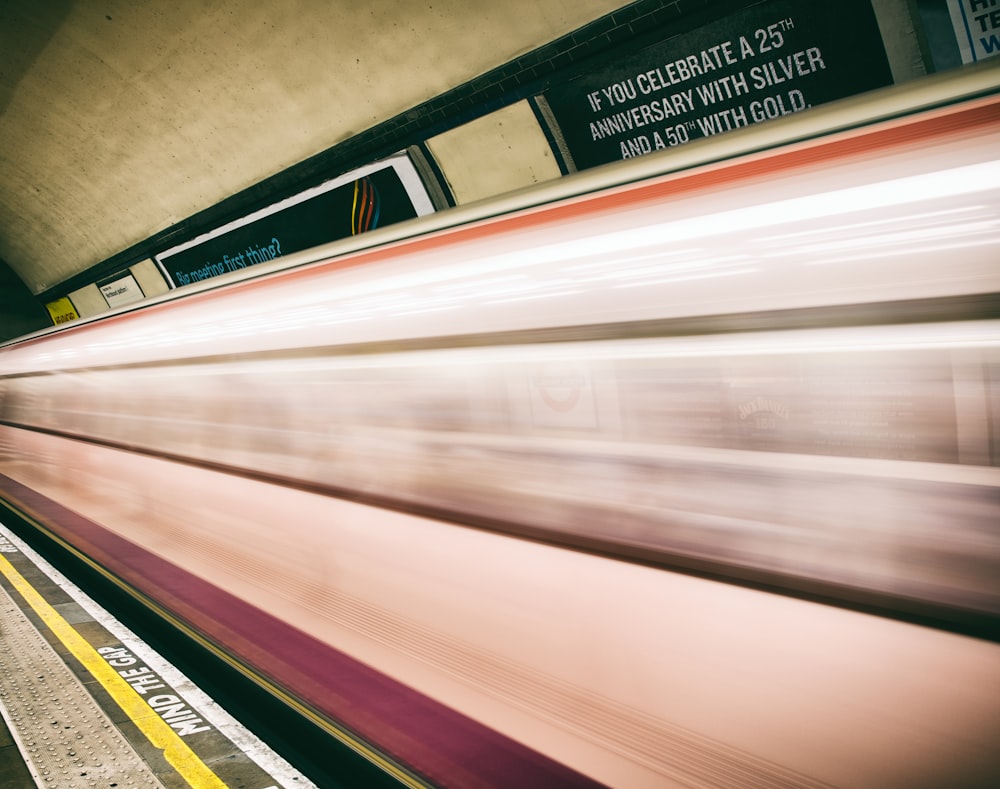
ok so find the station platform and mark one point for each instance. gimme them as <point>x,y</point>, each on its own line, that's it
<point>85,703</point>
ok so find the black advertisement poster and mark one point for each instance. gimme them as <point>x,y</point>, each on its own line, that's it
<point>766,60</point>
<point>365,200</point>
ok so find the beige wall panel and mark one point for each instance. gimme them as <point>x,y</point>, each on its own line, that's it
<point>494,154</point>
<point>900,38</point>
<point>149,278</point>
<point>89,301</point>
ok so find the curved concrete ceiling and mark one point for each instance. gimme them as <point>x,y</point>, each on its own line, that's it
<point>119,119</point>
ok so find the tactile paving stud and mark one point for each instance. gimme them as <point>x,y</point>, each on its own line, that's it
<point>66,739</point>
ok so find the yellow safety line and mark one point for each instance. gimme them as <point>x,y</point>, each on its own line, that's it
<point>175,750</point>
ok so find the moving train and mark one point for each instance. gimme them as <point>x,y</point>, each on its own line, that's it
<point>678,472</point>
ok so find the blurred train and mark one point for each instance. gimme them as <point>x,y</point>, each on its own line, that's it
<point>679,472</point>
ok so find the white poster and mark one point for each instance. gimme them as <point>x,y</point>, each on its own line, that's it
<point>977,28</point>
<point>122,291</point>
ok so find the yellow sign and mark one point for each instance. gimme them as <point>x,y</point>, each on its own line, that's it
<point>62,311</point>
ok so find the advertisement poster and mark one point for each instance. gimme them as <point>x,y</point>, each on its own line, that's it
<point>120,290</point>
<point>764,61</point>
<point>977,28</point>
<point>365,199</point>
<point>62,311</point>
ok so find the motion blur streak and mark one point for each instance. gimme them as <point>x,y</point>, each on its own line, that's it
<point>681,479</point>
